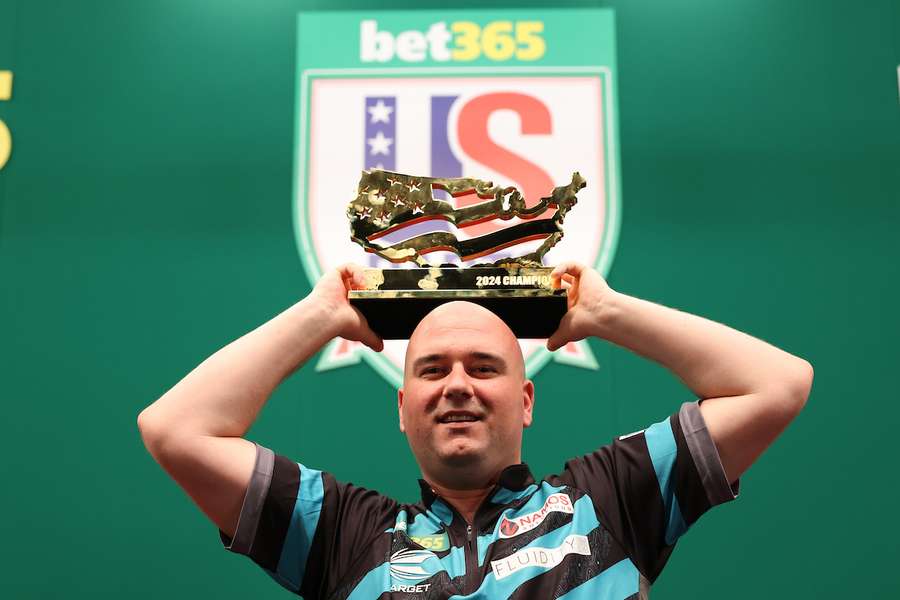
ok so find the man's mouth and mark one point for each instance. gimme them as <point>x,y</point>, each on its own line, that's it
<point>458,416</point>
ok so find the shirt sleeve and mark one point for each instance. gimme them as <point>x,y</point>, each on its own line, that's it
<point>650,486</point>
<point>302,527</point>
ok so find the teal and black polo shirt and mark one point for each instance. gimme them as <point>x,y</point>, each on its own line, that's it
<point>603,528</point>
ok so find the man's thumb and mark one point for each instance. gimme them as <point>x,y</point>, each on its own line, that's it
<point>561,336</point>
<point>371,339</point>
<point>365,333</point>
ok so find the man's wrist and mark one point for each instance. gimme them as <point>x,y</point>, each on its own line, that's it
<point>608,314</point>
<point>318,318</point>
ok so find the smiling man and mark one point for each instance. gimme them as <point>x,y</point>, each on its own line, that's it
<point>485,527</point>
<point>465,401</point>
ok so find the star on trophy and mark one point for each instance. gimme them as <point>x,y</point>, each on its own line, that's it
<point>519,290</point>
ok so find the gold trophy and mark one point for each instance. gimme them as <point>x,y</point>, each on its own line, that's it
<point>519,290</point>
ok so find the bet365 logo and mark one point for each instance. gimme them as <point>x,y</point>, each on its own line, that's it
<point>462,41</point>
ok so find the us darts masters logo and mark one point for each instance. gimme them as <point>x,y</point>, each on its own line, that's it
<point>528,127</point>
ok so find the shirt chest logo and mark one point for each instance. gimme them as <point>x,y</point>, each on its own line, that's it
<point>436,542</point>
<point>558,502</point>
<point>408,565</point>
<point>544,558</point>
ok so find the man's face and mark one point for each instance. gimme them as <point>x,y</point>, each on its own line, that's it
<point>465,399</point>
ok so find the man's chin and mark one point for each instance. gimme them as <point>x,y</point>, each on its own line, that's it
<point>461,457</point>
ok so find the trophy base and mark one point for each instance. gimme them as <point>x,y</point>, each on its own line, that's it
<point>395,300</point>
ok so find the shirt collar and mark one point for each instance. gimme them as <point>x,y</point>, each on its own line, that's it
<point>514,477</point>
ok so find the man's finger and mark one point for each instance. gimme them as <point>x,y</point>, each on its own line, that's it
<point>353,276</point>
<point>569,270</point>
<point>571,267</point>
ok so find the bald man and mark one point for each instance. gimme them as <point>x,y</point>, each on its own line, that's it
<point>485,527</point>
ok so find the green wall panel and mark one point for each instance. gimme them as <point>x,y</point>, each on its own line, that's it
<point>145,222</point>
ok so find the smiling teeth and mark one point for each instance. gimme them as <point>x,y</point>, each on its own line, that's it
<point>457,418</point>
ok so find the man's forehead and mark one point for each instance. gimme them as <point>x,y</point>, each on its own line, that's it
<point>465,317</point>
<point>461,324</point>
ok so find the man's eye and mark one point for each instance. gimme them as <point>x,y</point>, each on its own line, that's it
<point>485,369</point>
<point>431,371</point>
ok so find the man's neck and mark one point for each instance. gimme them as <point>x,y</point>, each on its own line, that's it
<point>466,502</point>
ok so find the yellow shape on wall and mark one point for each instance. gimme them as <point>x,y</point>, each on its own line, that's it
<point>5,144</point>
<point>6,83</point>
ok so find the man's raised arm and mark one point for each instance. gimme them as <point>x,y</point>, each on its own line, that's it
<point>750,390</point>
<point>195,430</point>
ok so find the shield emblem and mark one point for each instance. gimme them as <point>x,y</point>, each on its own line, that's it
<point>525,127</point>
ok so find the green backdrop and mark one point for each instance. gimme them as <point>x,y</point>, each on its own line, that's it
<point>145,222</point>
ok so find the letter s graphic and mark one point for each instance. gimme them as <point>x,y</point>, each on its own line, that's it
<point>472,128</point>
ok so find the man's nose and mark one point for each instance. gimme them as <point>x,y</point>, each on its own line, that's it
<point>458,385</point>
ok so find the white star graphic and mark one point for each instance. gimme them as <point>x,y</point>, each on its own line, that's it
<point>380,144</point>
<point>381,112</point>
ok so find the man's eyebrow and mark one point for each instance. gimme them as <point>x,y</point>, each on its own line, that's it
<point>437,357</point>
<point>488,356</point>
<point>428,358</point>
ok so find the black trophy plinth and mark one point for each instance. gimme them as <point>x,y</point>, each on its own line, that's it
<point>395,300</point>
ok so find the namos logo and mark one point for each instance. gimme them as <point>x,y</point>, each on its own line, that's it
<point>508,528</point>
<point>558,502</point>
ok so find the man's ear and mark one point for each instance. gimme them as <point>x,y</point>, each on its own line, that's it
<point>400,409</point>
<point>528,402</point>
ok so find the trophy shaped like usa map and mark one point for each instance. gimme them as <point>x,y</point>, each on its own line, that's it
<point>519,289</point>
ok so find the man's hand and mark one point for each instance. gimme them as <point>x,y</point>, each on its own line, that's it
<point>588,294</point>
<point>331,290</point>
